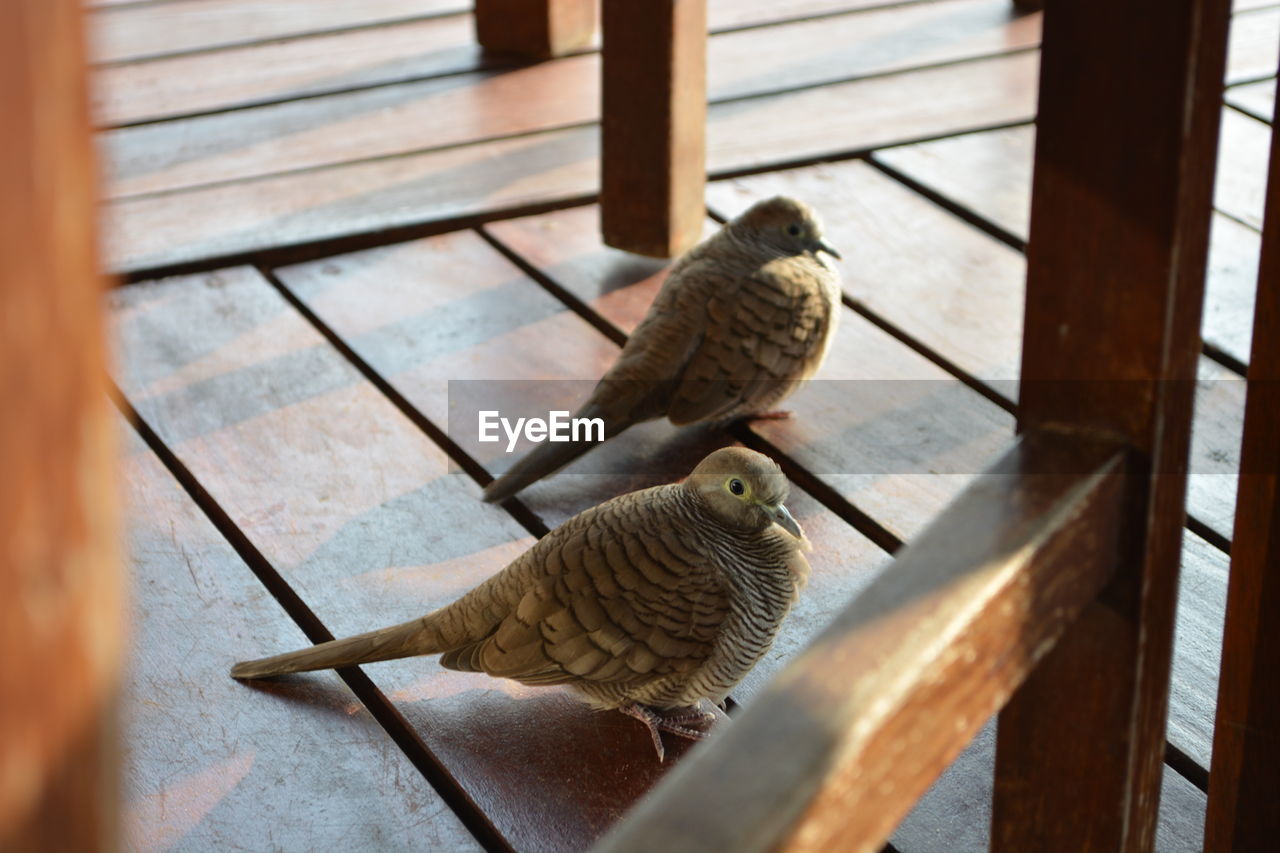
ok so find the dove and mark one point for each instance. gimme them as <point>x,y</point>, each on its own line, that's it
<point>742,320</point>
<point>647,603</point>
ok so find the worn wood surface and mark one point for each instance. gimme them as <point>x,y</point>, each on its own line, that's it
<point>653,125</point>
<point>62,624</point>
<point>534,29</point>
<point>150,30</point>
<point>214,764</point>
<point>1247,734</point>
<point>376,122</point>
<point>1117,256</point>
<point>372,196</point>
<point>1242,167</point>
<point>836,749</point>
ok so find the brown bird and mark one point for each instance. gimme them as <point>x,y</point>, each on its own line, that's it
<point>742,320</point>
<point>647,603</point>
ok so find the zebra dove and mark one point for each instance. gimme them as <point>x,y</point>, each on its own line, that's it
<point>742,320</point>
<point>646,603</point>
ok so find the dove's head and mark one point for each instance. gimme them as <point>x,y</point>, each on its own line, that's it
<point>744,490</point>
<point>784,225</point>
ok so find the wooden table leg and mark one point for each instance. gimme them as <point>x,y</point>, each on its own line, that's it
<point>654,125</point>
<point>1125,150</point>
<point>537,29</point>
<point>1245,771</point>
<point>61,588</point>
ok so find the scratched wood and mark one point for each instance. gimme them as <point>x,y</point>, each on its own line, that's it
<point>388,120</point>
<point>372,196</point>
<point>361,515</point>
<point>214,764</point>
<point>1256,99</point>
<point>180,26</point>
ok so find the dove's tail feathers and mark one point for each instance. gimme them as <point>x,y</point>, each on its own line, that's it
<point>415,637</point>
<point>547,458</point>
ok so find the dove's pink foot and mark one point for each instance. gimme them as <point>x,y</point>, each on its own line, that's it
<point>678,721</point>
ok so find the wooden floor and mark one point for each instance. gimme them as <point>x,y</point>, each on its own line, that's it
<point>322,211</point>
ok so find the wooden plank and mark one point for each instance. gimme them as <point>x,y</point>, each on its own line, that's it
<point>1247,734</point>
<point>860,723</point>
<point>653,125</point>
<point>535,30</point>
<point>1254,51</point>
<point>183,26</point>
<point>849,423</point>
<point>989,174</point>
<point>374,196</point>
<point>1242,167</point>
<point>362,515</point>
<point>1256,99</point>
<point>1117,257</point>
<point>188,782</point>
<point>383,121</point>
<point>292,68</point>
<point>62,624</point>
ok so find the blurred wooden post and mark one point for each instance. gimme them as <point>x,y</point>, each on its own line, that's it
<point>61,606</point>
<point>1125,151</point>
<point>537,29</point>
<point>654,116</point>
<point>1245,773</point>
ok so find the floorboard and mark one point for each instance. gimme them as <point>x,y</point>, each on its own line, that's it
<point>213,764</point>
<point>1254,51</point>
<point>225,221</point>
<point>372,123</point>
<point>185,26</point>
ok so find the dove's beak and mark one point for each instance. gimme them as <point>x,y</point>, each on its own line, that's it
<point>784,519</point>
<point>823,246</point>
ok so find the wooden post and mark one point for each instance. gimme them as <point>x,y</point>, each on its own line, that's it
<point>537,29</point>
<point>61,607</point>
<point>1245,772</point>
<point>654,117</point>
<point>1125,151</point>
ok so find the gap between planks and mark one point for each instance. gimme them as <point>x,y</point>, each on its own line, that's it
<point>382,710</point>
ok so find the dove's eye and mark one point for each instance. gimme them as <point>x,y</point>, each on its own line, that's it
<point>736,486</point>
<point>793,230</point>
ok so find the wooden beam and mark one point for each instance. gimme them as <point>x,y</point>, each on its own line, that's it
<point>1245,771</point>
<point>61,589</point>
<point>842,742</point>
<point>536,29</point>
<point>654,117</point>
<point>1125,151</point>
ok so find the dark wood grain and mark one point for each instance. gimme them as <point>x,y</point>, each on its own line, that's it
<point>1117,255</point>
<point>215,764</point>
<point>841,743</point>
<point>62,623</point>
<point>150,30</point>
<point>373,196</point>
<point>653,125</point>
<point>1247,735</point>
<point>539,29</point>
